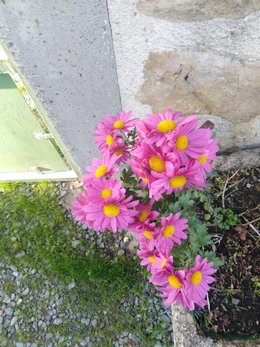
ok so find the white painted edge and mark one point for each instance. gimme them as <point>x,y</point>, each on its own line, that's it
<point>28,176</point>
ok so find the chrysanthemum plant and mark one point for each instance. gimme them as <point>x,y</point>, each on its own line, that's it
<point>143,183</point>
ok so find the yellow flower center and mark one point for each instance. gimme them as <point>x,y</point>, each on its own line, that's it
<point>168,231</point>
<point>143,215</point>
<point>148,235</point>
<point>101,171</point>
<point>196,277</point>
<point>152,259</point>
<point>119,151</point>
<point>174,282</point>
<point>165,126</point>
<point>182,142</point>
<point>110,140</point>
<point>178,181</point>
<point>145,179</point>
<point>202,159</point>
<point>156,164</point>
<point>106,193</point>
<point>111,210</point>
<point>119,124</point>
<point>164,262</point>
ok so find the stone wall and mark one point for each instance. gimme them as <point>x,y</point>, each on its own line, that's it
<point>198,56</point>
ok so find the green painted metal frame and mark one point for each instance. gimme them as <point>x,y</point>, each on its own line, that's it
<point>9,66</point>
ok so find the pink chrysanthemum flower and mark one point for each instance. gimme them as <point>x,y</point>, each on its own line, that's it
<point>176,178</point>
<point>105,139</point>
<point>103,188</point>
<point>78,209</point>
<point>139,170</point>
<point>100,168</point>
<point>148,258</point>
<point>145,214</point>
<point>120,121</point>
<point>163,260</point>
<point>172,285</point>
<point>152,158</point>
<point>198,279</point>
<point>142,130</point>
<point>171,232</point>
<point>160,127</point>
<point>111,214</point>
<point>189,142</point>
<point>121,151</point>
<point>153,260</point>
<point>147,236</point>
<point>208,154</point>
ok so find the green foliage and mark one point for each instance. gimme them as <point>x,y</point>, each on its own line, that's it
<point>256,285</point>
<point>199,238</point>
<point>212,257</point>
<point>223,218</point>
<point>183,202</point>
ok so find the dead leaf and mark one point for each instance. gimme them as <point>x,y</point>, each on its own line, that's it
<point>242,232</point>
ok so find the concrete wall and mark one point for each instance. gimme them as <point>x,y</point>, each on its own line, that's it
<point>64,49</point>
<point>196,56</point>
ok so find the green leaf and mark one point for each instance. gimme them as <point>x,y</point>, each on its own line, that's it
<point>211,256</point>
<point>207,216</point>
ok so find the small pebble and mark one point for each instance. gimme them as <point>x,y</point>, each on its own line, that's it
<point>13,321</point>
<point>26,291</point>
<point>7,300</point>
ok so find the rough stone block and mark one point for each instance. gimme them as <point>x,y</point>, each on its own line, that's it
<point>202,83</point>
<point>197,10</point>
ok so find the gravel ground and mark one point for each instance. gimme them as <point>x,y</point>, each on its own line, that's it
<point>39,311</point>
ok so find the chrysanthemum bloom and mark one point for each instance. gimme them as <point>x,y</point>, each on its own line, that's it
<point>78,209</point>
<point>120,121</point>
<point>100,168</point>
<point>172,285</point>
<point>139,170</point>
<point>142,130</point>
<point>152,158</point>
<point>171,232</point>
<point>198,279</point>
<point>148,258</point>
<point>188,142</point>
<point>147,236</point>
<point>162,261</point>
<point>103,188</point>
<point>160,127</point>
<point>144,216</point>
<point>207,156</point>
<point>176,178</point>
<point>111,213</point>
<point>121,151</point>
<point>105,139</point>
<point>153,260</point>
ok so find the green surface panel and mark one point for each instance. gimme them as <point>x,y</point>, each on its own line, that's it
<point>20,151</point>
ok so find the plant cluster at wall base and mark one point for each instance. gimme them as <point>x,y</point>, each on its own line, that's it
<point>143,183</point>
